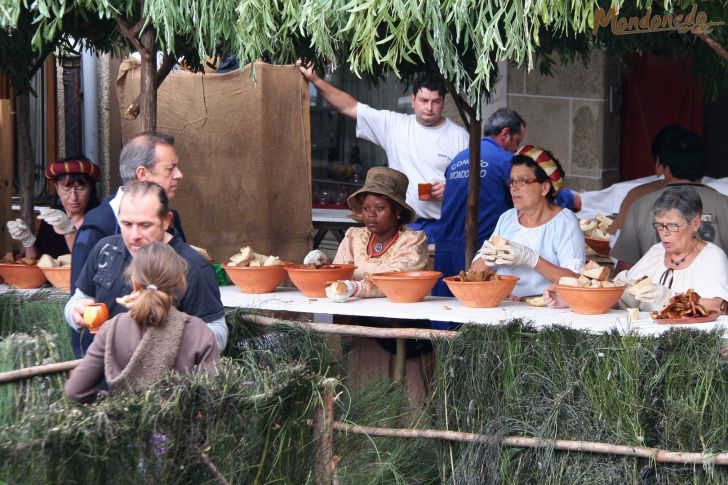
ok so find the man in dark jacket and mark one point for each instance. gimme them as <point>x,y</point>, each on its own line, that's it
<point>146,157</point>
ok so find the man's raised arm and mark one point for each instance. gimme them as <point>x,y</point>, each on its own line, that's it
<point>343,102</point>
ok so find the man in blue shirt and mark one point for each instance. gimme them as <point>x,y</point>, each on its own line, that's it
<point>144,218</point>
<point>503,133</point>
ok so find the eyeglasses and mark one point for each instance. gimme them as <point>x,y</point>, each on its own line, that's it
<point>78,189</point>
<point>520,182</point>
<point>669,227</point>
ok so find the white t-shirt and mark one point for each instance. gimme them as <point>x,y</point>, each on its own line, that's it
<point>707,274</point>
<point>559,241</point>
<point>420,152</point>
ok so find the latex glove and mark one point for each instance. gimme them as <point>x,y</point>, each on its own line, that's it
<point>653,294</point>
<point>316,257</point>
<point>342,290</point>
<point>19,231</point>
<point>487,253</point>
<point>61,223</point>
<point>516,254</point>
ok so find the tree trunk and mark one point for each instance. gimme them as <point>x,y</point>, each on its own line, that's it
<point>148,90</point>
<point>471,216</point>
<point>26,160</point>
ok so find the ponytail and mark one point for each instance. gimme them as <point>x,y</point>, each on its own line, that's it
<point>160,275</point>
<point>150,308</point>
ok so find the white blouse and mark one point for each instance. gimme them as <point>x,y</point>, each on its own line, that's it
<point>707,274</point>
<point>559,241</point>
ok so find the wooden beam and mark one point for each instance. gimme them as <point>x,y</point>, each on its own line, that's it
<point>657,454</point>
<point>6,170</point>
<point>51,111</point>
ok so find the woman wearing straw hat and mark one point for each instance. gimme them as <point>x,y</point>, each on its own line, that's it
<point>543,241</point>
<point>75,182</point>
<point>385,243</point>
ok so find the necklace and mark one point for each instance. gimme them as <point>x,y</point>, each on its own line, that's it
<point>376,249</point>
<point>682,260</point>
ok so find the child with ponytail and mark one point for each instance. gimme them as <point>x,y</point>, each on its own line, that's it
<point>133,350</point>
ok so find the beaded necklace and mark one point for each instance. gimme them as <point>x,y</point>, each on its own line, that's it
<point>376,249</point>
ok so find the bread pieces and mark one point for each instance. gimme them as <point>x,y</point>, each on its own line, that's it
<point>592,276</point>
<point>597,227</point>
<point>47,261</point>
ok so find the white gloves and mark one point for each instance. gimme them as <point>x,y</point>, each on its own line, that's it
<point>653,294</point>
<point>340,291</point>
<point>512,253</point>
<point>19,231</point>
<point>316,257</point>
<point>61,223</point>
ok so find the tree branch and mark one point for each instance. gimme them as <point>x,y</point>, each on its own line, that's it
<point>168,64</point>
<point>719,49</point>
<point>130,33</point>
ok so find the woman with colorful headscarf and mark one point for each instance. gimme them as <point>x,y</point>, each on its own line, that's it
<point>74,180</point>
<point>537,240</point>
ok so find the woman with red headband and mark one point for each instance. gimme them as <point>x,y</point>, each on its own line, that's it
<point>75,182</point>
<point>537,240</point>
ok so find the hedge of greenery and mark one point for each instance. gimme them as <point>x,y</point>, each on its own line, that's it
<point>249,420</point>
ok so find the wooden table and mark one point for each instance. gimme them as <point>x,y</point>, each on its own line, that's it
<point>337,221</point>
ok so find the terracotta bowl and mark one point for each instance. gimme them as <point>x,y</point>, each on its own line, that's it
<point>312,281</point>
<point>599,245</point>
<point>60,277</point>
<point>590,301</point>
<point>406,286</point>
<point>22,276</point>
<point>482,294</point>
<point>260,279</point>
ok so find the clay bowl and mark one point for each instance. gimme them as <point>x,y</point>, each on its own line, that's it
<point>599,245</point>
<point>590,301</point>
<point>256,279</point>
<point>406,286</point>
<point>312,281</point>
<point>60,277</point>
<point>482,294</point>
<point>22,276</point>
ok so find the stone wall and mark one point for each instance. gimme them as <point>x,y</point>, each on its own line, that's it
<point>569,114</point>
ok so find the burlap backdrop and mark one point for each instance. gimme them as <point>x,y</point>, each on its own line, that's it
<point>244,148</point>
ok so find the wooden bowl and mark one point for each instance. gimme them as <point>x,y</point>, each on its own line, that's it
<point>312,281</point>
<point>599,245</point>
<point>406,286</point>
<point>482,294</point>
<point>590,301</point>
<point>256,279</point>
<point>59,276</point>
<point>22,276</point>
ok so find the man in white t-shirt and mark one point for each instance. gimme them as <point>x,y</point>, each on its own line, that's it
<point>420,145</point>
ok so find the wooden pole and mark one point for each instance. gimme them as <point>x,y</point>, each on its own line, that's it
<point>6,170</point>
<point>38,370</point>
<point>657,454</point>
<point>323,435</point>
<point>26,159</point>
<point>400,361</point>
<point>359,331</point>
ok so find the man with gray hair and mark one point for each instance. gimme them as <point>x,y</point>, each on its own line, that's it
<point>147,156</point>
<point>503,133</point>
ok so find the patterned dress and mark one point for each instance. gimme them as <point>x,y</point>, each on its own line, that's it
<point>409,252</point>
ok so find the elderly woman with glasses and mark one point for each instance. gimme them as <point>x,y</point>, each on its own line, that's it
<point>681,260</point>
<point>74,180</point>
<point>544,241</point>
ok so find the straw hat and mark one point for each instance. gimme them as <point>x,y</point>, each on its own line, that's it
<point>546,161</point>
<point>384,181</point>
